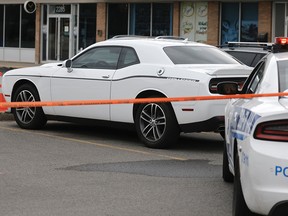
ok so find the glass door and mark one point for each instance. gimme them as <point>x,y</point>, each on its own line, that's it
<point>58,38</point>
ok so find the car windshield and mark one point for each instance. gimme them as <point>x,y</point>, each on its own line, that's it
<point>283,75</point>
<point>198,55</point>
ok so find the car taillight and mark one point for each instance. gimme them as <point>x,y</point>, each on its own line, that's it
<point>273,130</point>
<point>214,82</point>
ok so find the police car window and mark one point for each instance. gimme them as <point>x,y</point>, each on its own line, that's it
<point>256,79</point>
<point>98,58</point>
<point>245,57</point>
<point>283,75</point>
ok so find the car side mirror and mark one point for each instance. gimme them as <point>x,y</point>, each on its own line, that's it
<point>228,88</point>
<point>68,64</point>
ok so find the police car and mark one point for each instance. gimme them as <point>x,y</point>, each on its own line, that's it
<point>256,138</point>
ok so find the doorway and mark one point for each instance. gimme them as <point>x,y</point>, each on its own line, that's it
<point>58,38</point>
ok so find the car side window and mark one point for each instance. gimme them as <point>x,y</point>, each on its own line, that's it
<point>98,58</point>
<point>128,58</point>
<point>256,79</point>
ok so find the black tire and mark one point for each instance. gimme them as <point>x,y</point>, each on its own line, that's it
<point>239,207</point>
<point>156,125</point>
<point>226,174</point>
<point>28,117</point>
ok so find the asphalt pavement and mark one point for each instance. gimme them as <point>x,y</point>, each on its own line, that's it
<point>6,116</point>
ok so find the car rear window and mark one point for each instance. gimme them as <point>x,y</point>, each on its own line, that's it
<point>198,55</point>
<point>248,58</point>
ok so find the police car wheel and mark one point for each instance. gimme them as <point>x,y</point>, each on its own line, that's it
<point>28,117</point>
<point>226,174</point>
<point>239,207</point>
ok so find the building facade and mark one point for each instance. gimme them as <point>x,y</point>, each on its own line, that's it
<point>54,31</point>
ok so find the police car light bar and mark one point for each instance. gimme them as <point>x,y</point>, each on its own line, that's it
<point>280,45</point>
<point>281,40</point>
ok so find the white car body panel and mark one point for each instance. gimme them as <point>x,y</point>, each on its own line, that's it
<point>155,72</point>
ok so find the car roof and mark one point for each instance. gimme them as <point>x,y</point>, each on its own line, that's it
<point>153,41</point>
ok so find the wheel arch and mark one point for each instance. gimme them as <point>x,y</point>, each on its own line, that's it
<point>20,83</point>
<point>149,93</point>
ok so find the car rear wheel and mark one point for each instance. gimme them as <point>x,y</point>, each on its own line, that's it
<point>28,117</point>
<point>226,174</point>
<point>156,125</point>
<point>239,207</point>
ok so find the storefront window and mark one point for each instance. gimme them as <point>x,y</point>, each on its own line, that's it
<point>230,22</point>
<point>117,13</point>
<point>1,24</point>
<point>12,24</point>
<point>239,22</point>
<point>162,19</point>
<point>249,22</point>
<point>140,19</point>
<point>87,26</point>
<point>194,20</point>
<point>279,19</point>
<point>28,30</point>
<point>150,19</point>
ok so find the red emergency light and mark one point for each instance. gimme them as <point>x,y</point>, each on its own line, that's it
<point>281,40</point>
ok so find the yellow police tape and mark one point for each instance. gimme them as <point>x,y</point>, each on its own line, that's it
<point>135,101</point>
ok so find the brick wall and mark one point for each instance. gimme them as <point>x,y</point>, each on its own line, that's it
<point>265,18</point>
<point>176,19</point>
<point>101,22</point>
<point>213,23</point>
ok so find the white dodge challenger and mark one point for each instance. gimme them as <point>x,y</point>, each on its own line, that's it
<point>130,68</point>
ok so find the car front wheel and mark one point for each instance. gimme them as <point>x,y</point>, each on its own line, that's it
<point>156,125</point>
<point>28,117</point>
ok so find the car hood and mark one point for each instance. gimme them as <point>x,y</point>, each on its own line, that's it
<point>221,69</point>
<point>44,69</point>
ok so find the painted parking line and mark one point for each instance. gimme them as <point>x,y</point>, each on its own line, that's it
<point>96,144</point>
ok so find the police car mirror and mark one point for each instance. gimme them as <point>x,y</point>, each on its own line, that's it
<point>227,88</point>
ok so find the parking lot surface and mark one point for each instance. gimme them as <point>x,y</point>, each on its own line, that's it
<point>68,169</point>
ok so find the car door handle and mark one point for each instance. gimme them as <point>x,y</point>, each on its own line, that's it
<point>106,76</point>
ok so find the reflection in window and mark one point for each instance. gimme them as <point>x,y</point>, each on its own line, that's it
<point>248,26</point>
<point>28,30</point>
<point>117,19</point>
<point>279,19</point>
<point>249,22</point>
<point>12,25</point>
<point>87,26</point>
<point>150,19</point>
<point>128,58</point>
<point>98,58</point>
<point>197,55</point>
<point>230,22</point>
<point>140,19</point>
<point>162,19</point>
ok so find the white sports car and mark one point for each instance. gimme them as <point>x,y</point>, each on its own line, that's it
<point>256,134</point>
<point>129,68</point>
